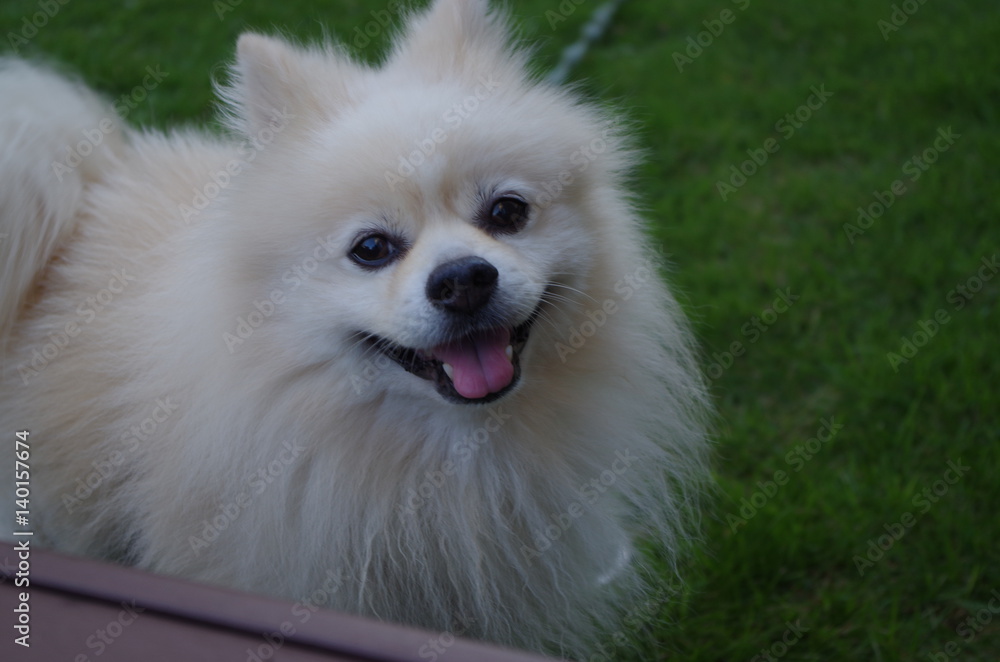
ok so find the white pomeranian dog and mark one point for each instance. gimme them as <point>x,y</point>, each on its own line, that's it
<point>402,330</point>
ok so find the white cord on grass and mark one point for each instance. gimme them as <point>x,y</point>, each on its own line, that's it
<point>591,32</point>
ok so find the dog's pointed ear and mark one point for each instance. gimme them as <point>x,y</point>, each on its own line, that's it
<point>275,84</point>
<point>462,38</point>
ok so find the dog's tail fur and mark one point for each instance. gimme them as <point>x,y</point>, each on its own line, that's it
<point>55,138</point>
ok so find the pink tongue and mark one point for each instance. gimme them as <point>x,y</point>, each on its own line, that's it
<point>479,364</point>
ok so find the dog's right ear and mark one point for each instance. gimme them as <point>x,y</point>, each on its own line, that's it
<point>457,38</point>
<point>275,84</point>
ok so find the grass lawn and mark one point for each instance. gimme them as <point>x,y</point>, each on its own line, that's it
<point>850,354</point>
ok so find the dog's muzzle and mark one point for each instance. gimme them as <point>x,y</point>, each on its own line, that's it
<point>481,362</point>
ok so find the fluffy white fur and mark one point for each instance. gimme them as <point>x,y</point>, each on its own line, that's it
<point>276,460</point>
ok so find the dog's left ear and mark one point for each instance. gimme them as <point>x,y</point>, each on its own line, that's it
<point>456,38</point>
<point>275,85</point>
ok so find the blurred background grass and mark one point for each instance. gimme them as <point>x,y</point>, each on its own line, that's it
<point>806,559</point>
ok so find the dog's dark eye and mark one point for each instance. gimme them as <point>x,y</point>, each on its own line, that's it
<point>507,215</point>
<point>374,250</point>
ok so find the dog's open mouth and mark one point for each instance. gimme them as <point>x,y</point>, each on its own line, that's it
<point>477,368</point>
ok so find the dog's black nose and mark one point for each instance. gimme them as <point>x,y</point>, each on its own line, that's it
<point>462,286</point>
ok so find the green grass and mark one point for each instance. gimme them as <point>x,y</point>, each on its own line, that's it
<point>826,356</point>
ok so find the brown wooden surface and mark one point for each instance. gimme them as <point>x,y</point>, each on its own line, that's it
<point>87,611</point>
